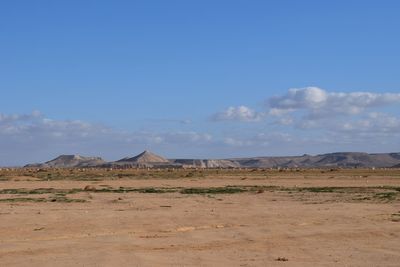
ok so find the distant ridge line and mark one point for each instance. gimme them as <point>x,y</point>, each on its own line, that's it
<point>149,159</point>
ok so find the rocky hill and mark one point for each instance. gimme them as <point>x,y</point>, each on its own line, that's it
<point>70,161</point>
<point>144,157</point>
<point>149,159</point>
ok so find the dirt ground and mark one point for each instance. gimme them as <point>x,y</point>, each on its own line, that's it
<point>251,219</point>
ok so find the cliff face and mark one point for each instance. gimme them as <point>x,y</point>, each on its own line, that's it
<point>207,163</point>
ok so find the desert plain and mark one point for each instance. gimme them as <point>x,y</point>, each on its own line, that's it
<point>203,217</point>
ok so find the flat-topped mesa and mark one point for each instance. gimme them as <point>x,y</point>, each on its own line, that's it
<point>145,157</point>
<point>70,161</point>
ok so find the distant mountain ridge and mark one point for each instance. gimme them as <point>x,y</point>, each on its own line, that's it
<point>149,159</point>
<point>338,159</point>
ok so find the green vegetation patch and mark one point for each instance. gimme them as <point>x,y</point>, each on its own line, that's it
<point>64,199</point>
<point>57,198</point>
<point>387,196</point>
<point>213,190</point>
<point>332,189</point>
<point>395,217</point>
<point>23,199</point>
<point>377,193</point>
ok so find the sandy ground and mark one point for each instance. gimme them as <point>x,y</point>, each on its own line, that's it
<point>172,229</point>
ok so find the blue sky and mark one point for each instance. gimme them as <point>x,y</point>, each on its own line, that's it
<point>198,78</point>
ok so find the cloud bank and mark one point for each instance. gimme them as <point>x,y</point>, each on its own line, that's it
<point>319,103</point>
<point>312,103</point>
<point>33,137</point>
<point>311,116</point>
<point>304,120</point>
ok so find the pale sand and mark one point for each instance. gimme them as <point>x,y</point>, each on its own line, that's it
<point>172,229</point>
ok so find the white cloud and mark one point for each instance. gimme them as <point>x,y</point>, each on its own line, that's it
<point>310,97</point>
<point>240,113</point>
<point>318,103</point>
<point>314,108</point>
<point>312,103</point>
<point>320,120</point>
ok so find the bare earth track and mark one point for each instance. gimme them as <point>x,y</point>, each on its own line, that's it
<point>72,217</point>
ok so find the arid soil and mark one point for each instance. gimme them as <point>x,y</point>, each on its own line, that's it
<point>200,218</point>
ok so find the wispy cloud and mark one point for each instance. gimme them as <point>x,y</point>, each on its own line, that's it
<point>374,123</point>
<point>259,140</point>
<point>240,113</point>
